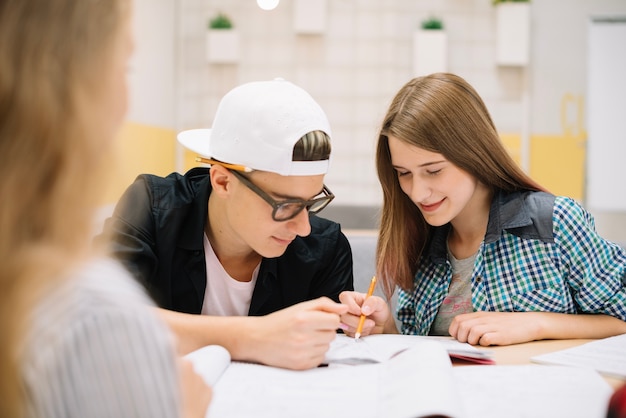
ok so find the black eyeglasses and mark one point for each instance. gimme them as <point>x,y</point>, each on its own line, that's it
<point>290,208</point>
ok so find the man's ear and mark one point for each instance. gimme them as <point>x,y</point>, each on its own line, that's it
<point>220,179</point>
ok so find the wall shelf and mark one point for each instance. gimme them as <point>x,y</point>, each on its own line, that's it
<point>430,52</point>
<point>310,16</point>
<point>512,33</point>
<point>222,46</point>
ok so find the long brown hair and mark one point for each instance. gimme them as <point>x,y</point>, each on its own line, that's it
<point>440,113</point>
<point>53,54</point>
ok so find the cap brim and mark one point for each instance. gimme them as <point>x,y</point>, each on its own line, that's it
<point>196,140</point>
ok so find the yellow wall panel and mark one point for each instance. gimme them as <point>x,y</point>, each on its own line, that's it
<point>512,143</point>
<point>140,149</point>
<point>557,162</point>
<point>189,160</point>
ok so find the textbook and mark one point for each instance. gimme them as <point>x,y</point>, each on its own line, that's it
<point>418,381</point>
<point>606,356</point>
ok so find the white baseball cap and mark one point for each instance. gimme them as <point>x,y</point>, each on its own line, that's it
<point>257,125</point>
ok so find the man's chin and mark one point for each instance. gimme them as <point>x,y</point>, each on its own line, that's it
<point>274,252</point>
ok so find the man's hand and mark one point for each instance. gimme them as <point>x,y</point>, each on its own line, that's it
<point>296,337</point>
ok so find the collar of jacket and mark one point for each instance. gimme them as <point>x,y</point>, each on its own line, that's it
<point>524,214</point>
<point>198,183</point>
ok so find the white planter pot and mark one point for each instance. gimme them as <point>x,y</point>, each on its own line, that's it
<point>222,46</point>
<point>430,52</point>
<point>512,33</point>
<point>309,16</point>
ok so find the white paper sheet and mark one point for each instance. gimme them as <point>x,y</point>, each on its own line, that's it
<point>607,356</point>
<point>210,362</point>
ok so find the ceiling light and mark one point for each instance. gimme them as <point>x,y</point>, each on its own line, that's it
<point>267,4</point>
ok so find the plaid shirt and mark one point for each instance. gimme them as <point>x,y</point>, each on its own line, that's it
<point>540,253</point>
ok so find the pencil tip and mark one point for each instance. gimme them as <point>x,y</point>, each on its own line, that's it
<point>357,336</point>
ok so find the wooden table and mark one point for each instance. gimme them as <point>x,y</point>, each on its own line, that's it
<point>521,353</point>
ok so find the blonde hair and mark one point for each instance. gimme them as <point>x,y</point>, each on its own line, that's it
<point>440,113</point>
<point>53,55</point>
<point>313,146</point>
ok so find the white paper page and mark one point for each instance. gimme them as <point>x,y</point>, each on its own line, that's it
<point>381,347</point>
<point>250,390</point>
<point>210,362</point>
<point>607,356</point>
<point>410,385</point>
<point>531,391</point>
<point>418,382</point>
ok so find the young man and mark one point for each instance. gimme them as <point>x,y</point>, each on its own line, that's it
<point>237,242</point>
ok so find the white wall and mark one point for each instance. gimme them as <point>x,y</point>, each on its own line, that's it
<point>353,69</point>
<point>559,54</point>
<point>152,80</point>
<point>607,109</point>
<point>605,193</point>
<point>356,66</point>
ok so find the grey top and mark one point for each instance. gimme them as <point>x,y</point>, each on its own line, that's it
<point>96,349</point>
<point>459,297</point>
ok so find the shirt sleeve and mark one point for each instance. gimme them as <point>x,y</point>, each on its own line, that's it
<point>405,312</point>
<point>110,364</point>
<point>595,267</point>
<point>131,233</point>
<point>338,276</point>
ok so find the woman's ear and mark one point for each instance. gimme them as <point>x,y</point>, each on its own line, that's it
<point>220,179</point>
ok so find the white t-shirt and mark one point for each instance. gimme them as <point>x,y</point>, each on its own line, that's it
<point>225,296</point>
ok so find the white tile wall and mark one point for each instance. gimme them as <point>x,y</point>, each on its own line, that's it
<point>353,69</point>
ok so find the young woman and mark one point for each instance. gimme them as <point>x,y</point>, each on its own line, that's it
<point>477,249</point>
<point>79,337</point>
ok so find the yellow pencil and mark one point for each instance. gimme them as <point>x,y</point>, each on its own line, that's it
<point>235,167</point>
<point>370,291</point>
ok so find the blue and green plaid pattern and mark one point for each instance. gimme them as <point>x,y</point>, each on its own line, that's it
<point>574,271</point>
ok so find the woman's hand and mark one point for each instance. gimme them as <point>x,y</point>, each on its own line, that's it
<point>494,328</point>
<point>379,319</point>
<point>505,328</point>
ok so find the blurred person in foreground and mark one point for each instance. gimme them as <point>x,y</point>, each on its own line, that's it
<point>79,335</point>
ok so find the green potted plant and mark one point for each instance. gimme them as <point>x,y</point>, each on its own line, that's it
<point>222,40</point>
<point>432,23</point>
<point>220,21</point>
<point>430,47</point>
<point>512,32</point>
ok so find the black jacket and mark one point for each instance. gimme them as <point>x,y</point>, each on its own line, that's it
<point>157,231</point>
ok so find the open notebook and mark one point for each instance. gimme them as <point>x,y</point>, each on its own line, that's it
<point>418,381</point>
<point>210,362</point>
<point>380,347</point>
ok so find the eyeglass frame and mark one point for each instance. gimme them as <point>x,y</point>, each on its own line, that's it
<point>275,204</point>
